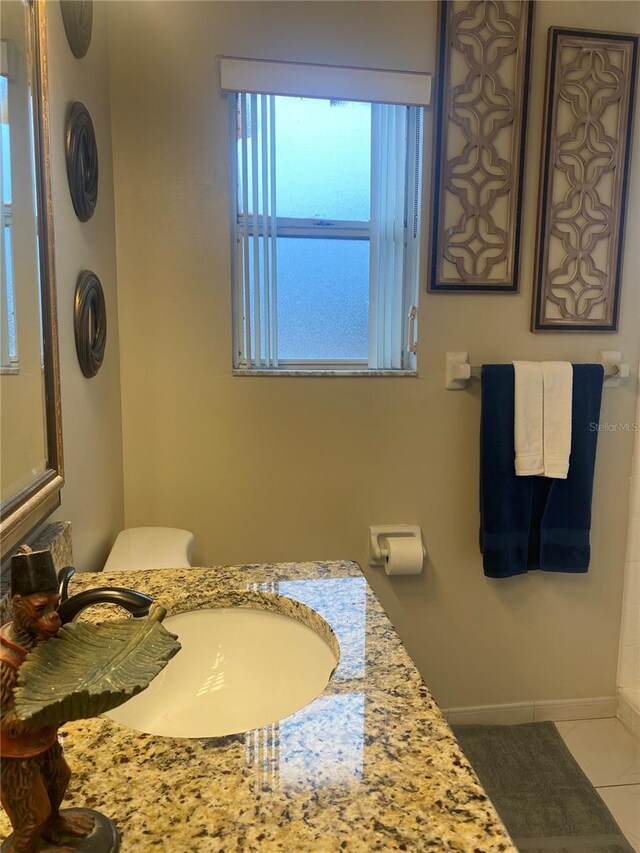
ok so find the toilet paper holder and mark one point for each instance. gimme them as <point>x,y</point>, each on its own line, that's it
<point>379,533</point>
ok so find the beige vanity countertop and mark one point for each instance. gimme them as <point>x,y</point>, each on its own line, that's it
<point>370,765</point>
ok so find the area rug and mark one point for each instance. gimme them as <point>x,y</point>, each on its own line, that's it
<point>544,799</point>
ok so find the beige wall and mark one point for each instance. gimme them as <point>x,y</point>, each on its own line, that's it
<point>92,498</point>
<point>283,469</point>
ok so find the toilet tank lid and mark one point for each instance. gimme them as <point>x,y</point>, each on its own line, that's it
<point>151,548</point>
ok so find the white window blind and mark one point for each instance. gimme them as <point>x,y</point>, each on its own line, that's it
<point>256,260</point>
<point>8,338</point>
<point>395,230</point>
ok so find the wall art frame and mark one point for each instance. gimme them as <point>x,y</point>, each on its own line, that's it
<point>484,60</point>
<point>586,157</point>
<point>90,323</point>
<point>77,18</point>
<point>82,161</point>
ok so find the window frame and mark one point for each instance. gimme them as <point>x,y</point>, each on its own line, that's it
<point>323,228</point>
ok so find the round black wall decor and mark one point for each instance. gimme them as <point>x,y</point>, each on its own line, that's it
<point>90,323</point>
<point>77,17</point>
<point>82,161</point>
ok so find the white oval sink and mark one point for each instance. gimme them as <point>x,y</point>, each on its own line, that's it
<point>239,668</point>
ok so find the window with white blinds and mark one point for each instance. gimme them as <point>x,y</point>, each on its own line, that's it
<point>8,337</point>
<point>326,233</point>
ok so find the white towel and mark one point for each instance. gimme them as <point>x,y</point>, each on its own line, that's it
<point>557,380</point>
<point>528,422</point>
<point>542,423</point>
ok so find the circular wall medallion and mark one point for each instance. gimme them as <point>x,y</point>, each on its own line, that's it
<point>82,161</point>
<point>90,323</point>
<point>77,17</point>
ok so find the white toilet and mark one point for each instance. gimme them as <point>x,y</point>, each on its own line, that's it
<point>151,548</point>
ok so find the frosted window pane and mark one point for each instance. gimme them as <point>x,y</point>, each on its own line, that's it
<point>262,294</point>
<point>323,159</point>
<point>6,164</point>
<point>5,142</point>
<point>9,297</point>
<point>323,298</point>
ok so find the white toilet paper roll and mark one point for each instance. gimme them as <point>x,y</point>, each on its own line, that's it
<point>405,556</point>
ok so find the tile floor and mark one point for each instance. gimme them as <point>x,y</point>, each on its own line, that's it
<point>610,757</point>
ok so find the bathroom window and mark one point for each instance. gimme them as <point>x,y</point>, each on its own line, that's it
<point>325,233</point>
<point>8,338</point>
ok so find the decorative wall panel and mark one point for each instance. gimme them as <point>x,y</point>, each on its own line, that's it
<point>483,82</point>
<point>591,80</point>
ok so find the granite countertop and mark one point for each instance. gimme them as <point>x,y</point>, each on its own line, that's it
<point>370,765</point>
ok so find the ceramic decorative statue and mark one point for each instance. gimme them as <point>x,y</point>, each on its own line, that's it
<point>50,675</point>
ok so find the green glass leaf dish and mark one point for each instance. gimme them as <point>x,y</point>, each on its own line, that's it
<point>88,669</point>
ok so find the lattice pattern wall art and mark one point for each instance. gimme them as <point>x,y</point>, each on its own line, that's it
<point>590,91</point>
<point>483,79</point>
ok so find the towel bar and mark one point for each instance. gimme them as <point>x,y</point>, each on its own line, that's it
<point>459,371</point>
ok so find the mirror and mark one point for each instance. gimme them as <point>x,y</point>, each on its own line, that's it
<point>30,426</point>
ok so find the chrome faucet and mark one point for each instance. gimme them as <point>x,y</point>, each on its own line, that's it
<point>136,603</point>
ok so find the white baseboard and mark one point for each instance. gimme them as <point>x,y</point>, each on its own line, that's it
<point>629,710</point>
<point>534,711</point>
<point>517,712</point>
<point>575,709</point>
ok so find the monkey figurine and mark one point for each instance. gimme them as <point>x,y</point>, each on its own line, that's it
<point>34,773</point>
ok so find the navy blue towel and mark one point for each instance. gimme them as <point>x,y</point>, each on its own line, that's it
<point>535,522</point>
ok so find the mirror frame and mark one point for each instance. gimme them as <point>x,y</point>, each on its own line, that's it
<point>22,512</point>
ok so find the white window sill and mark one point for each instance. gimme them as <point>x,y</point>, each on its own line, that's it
<point>332,372</point>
